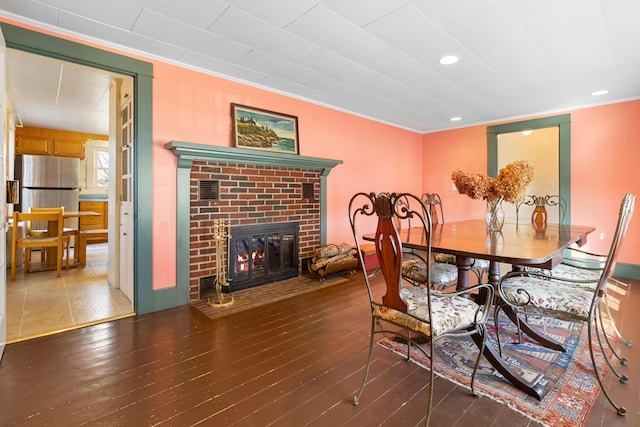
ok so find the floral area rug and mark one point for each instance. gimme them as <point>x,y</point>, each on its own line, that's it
<point>567,379</point>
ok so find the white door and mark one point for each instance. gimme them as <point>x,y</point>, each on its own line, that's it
<point>121,186</point>
<point>3,204</point>
<point>126,189</point>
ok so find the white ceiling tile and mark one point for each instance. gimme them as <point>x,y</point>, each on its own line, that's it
<point>413,33</point>
<point>118,36</point>
<point>277,12</point>
<point>33,9</point>
<point>155,26</point>
<point>220,68</point>
<point>117,13</point>
<point>199,13</point>
<point>522,62</point>
<point>235,24</point>
<point>363,12</point>
<point>344,37</point>
<point>275,66</point>
<point>443,13</point>
<point>336,66</point>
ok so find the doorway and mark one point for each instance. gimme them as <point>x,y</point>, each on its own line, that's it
<point>540,147</point>
<point>142,73</point>
<point>39,303</point>
<point>560,124</point>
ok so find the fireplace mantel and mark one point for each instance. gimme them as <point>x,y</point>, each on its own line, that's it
<point>187,152</point>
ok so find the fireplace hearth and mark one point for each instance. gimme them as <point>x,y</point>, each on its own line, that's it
<point>262,253</point>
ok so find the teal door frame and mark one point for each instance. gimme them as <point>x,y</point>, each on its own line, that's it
<point>563,122</point>
<point>142,73</point>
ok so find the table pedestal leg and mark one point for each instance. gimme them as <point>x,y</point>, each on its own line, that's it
<point>498,363</point>
<point>464,264</point>
<point>494,272</point>
<point>543,340</point>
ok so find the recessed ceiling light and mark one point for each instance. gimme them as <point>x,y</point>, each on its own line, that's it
<point>455,119</point>
<point>527,132</point>
<point>599,92</point>
<point>448,60</point>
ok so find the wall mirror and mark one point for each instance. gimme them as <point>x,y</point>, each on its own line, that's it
<point>546,143</point>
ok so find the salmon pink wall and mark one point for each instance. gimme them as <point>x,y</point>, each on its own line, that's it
<point>194,107</point>
<point>604,165</point>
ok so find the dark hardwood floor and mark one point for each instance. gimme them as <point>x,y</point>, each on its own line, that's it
<point>296,362</point>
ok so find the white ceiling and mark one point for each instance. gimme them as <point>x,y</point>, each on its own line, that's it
<point>378,58</point>
<point>58,95</point>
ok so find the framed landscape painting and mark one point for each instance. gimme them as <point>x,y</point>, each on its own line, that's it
<point>264,130</point>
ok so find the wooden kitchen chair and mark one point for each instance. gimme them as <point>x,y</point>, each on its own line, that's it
<point>28,242</point>
<point>68,233</point>
<point>402,308</point>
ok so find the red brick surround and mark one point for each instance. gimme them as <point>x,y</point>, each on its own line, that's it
<point>249,194</point>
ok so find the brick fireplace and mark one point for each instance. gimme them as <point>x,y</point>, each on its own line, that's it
<point>247,187</point>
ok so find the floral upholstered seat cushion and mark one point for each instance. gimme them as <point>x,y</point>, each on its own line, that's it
<point>480,263</point>
<point>547,294</point>
<point>446,258</point>
<point>449,313</point>
<point>439,273</point>
<point>584,278</point>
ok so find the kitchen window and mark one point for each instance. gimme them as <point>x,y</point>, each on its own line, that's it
<point>102,168</point>
<point>96,167</point>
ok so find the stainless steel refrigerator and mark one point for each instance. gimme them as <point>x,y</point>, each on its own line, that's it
<point>50,182</point>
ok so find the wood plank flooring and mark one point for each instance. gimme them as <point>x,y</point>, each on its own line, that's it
<point>295,362</point>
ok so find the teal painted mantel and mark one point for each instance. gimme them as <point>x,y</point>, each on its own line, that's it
<point>187,152</point>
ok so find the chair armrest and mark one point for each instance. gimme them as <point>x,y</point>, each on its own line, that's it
<point>541,275</point>
<point>582,251</point>
<point>591,262</point>
<point>485,306</point>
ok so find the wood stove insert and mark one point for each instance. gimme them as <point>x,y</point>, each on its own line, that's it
<point>262,253</point>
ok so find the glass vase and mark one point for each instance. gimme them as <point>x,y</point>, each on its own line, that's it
<point>494,216</point>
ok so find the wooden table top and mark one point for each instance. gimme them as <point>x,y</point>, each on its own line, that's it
<point>518,244</point>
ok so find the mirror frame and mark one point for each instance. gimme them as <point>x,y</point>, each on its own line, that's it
<point>563,122</point>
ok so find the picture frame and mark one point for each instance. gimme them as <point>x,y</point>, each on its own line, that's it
<point>265,130</point>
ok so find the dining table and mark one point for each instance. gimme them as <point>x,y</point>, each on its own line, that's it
<point>519,245</point>
<point>52,253</point>
<point>516,244</point>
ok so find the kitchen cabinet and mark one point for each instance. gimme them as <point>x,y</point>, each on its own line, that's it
<point>100,222</point>
<point>68,148</point>
<point>49,146</point>
<point>53,142</point>
<point>34,145</point>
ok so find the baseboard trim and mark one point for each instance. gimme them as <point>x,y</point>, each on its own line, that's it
<point>627,271</point>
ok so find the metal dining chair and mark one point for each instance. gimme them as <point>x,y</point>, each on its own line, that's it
<point>479,267</point>
<point>399,307</point>
<point>540,203</point>
<point>532,292</point>
<point>441,274</point>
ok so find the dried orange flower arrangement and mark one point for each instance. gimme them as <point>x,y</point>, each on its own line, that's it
<point>510,184</point>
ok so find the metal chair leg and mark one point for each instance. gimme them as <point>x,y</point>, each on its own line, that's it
<point>592,323</point>
<point>356,398</point>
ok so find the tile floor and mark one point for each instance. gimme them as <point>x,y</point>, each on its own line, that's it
<point>40,303</point>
